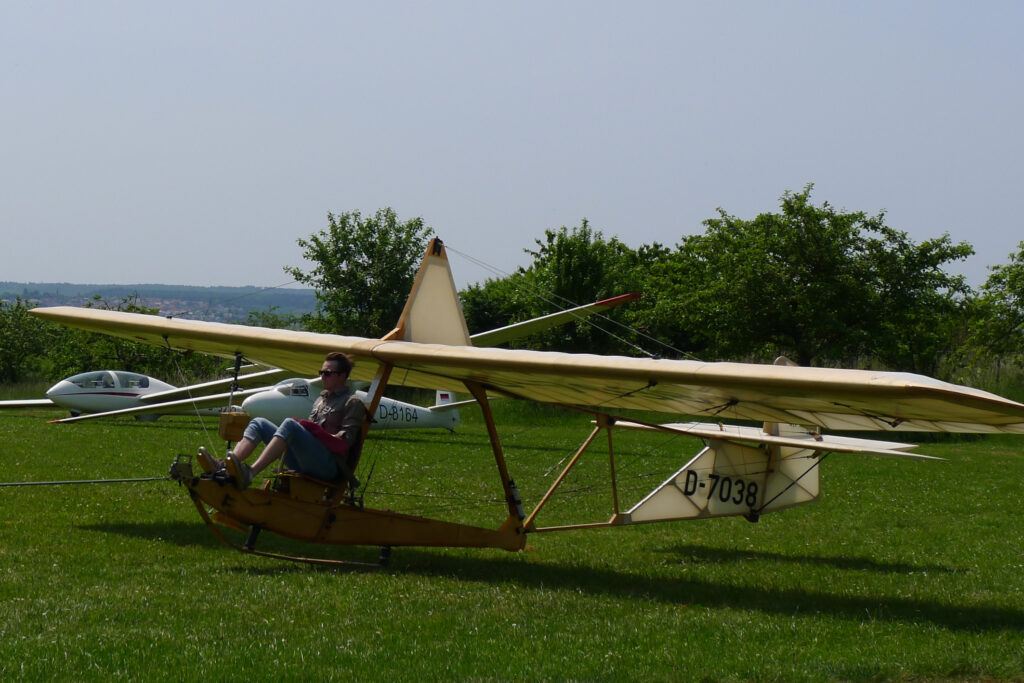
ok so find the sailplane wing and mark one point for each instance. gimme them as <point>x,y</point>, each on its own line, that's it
<point>27,403</point>
<point>246,381</point>
<point>826,397</point>
<point>181,406</point>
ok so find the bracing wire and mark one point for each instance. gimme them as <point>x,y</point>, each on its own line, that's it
<point>82,481</point>
<point>559,303</point>
<point>184,381</point>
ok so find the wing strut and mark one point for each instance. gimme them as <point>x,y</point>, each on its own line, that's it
<point>558,480</point>
<point>515,503</point>
<point>605,422</point>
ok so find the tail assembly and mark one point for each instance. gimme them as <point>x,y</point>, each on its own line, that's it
<point>446,408</point>
<point>443,398</point>
<point>729,478</point>
<point>749,471</point>
<point>746,471</point>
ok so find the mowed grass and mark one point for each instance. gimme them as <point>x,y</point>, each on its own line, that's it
<point>904,570</point>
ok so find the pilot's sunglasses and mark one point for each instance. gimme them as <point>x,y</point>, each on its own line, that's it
<point>328,373</point>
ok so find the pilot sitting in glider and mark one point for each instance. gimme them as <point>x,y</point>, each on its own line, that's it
<point>326,446</point>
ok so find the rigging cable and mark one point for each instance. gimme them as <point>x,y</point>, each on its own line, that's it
<point>185,383</point>
<point>549,298</point>
<point>81,481</point>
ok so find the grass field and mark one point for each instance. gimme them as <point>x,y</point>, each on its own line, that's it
<point>904,570</point>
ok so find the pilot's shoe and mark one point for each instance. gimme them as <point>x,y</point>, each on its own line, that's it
<point>207,461</point>
<point>239,470</point>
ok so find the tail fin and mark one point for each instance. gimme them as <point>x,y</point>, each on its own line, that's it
<point>447,408</point>
<point>433,313</point>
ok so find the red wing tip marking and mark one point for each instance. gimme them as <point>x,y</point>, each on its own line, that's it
<point>616,300</point>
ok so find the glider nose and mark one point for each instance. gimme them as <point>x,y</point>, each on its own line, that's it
<point>61,388</point>
<point>272,405</point>
<point>254,403</point>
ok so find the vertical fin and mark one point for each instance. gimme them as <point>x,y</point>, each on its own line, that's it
<point>433,312</point>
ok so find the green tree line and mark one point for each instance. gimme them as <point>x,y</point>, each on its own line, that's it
<point>33,349</point>
<point>822,286</point>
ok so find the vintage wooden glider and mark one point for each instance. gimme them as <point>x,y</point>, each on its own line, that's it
<point>741,471</point>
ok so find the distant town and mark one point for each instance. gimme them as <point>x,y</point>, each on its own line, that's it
<point>223,304</point>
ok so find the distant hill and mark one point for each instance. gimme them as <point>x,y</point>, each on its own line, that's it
<point>226,304</point>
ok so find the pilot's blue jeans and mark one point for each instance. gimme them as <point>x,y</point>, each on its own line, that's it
<point>305,453</point>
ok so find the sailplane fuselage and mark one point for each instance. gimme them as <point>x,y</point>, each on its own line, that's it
<point>103,390</point>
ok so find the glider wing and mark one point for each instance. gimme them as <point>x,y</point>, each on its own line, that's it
<point>27,403</point>
<point>826,397</point>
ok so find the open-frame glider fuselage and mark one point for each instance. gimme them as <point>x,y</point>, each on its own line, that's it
<point>745,471</point>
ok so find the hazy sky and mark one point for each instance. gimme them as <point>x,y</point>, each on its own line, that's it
<point>195,142</point>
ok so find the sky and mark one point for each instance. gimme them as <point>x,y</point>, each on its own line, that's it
<point>196,142</point>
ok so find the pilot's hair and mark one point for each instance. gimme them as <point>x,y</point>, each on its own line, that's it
<point>343,361</point>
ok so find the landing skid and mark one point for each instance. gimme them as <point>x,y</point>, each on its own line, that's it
<point>249,549</point>
<point>312,511</point>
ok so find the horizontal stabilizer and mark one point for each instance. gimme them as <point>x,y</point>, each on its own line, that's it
<point>444,407</point>
<point>811,441</point>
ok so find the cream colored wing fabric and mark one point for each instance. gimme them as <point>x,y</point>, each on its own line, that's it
<point>301,353</point>
<point>830,398</point>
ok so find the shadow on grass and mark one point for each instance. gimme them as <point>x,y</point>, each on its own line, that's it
<point>819,600</point>
<point>465,440</point>
<point>183,534</point>
<point>628,585</point>
<point>702,553</point>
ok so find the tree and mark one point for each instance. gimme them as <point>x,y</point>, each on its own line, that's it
<point>496,303</point>
<point>72,351</point>
<point>570,267</point>
<point>22,338</point>
<point>271,318</point>
<point>821,285</point>
<point>921,311</point>
<point>33,349</point>
<point>999,326</point>
<point>363,268</point>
